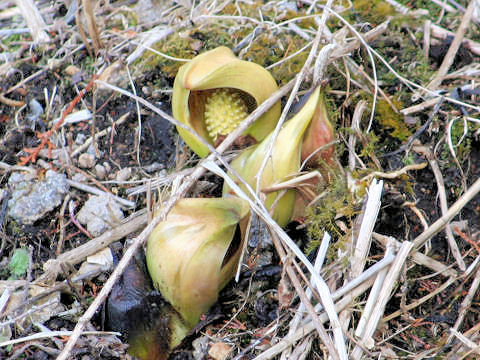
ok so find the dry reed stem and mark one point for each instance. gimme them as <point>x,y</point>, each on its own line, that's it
<point>88,7</point>
<point>372,298</point>
<point>295,322</point>
<point>322,333</point>
<point>359,254</point>
<point>383,297</point>
<point>418,257</point>
<point>442,33</point>
<point>364,239</point>
<point>34,20</point>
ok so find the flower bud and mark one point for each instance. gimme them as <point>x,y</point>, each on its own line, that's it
<point>283,163</point>
<point>214,92</point>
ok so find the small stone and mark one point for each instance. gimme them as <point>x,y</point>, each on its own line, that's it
<point>86,161</point>
<point>220,351</point>
<point>100,171</point>
<point>80,138</point>
<point>107,166</point>
<point>32,199</point>
<point>124,174</point>
<point>200,346</point>
<point>99,214</point>
<point>72,70</point>
<point>79,177</point>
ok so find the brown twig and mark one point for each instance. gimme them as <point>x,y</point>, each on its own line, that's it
<point>45,137</point>
<point>438,225</point>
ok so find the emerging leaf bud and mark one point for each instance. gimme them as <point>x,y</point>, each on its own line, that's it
<point>319,133</point>
<point>284,162</point>
<point>194,253</point>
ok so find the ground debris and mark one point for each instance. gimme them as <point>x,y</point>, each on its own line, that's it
<point>31,199</point>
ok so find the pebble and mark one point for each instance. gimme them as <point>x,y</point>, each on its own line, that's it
<point>79,177</point>
<point>200,347</point>
<point>107,166</point>
<point>99,214</point>
<point>220,351</point>
<point>31,199</point>
<point>86,161</point>
<point>124,174</point>
<point>80,138</point>
<point>100,171</point>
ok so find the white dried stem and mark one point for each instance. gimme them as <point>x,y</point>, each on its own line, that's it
<point>383,297</point>
<point>426,38</point>
<point>419,258</point>
<point>352,140</point>
<point>420,107</point>
<point>95,191</point>
<point>88,7</point>
<point>51,334</point>
<point>442,33</point>
<point>34,20</point>
<point>372,297</point>
<point>444,207</point>
<point>364,239</point>
<point>358,256</point>
<point>322,252</point>
<point>474,347</point>
<point>443,4</point>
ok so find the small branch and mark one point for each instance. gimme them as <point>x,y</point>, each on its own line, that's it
<point>94,190</point>
<point>441,33</point>
<point>452,50</point>
<point>438,225</point>
<point>50,334</point>
<point>466,303</point>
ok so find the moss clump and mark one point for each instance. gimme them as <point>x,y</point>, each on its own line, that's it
<point>373,11</point>
<point>339,201</point>
<point>268,49</point>
<point>187,44</point>
<point>390,119</point>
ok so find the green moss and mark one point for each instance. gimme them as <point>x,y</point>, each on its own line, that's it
<point>268,49</point>
<point>390,119</point>
<point>322,217</point>
<point>373,11</point>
